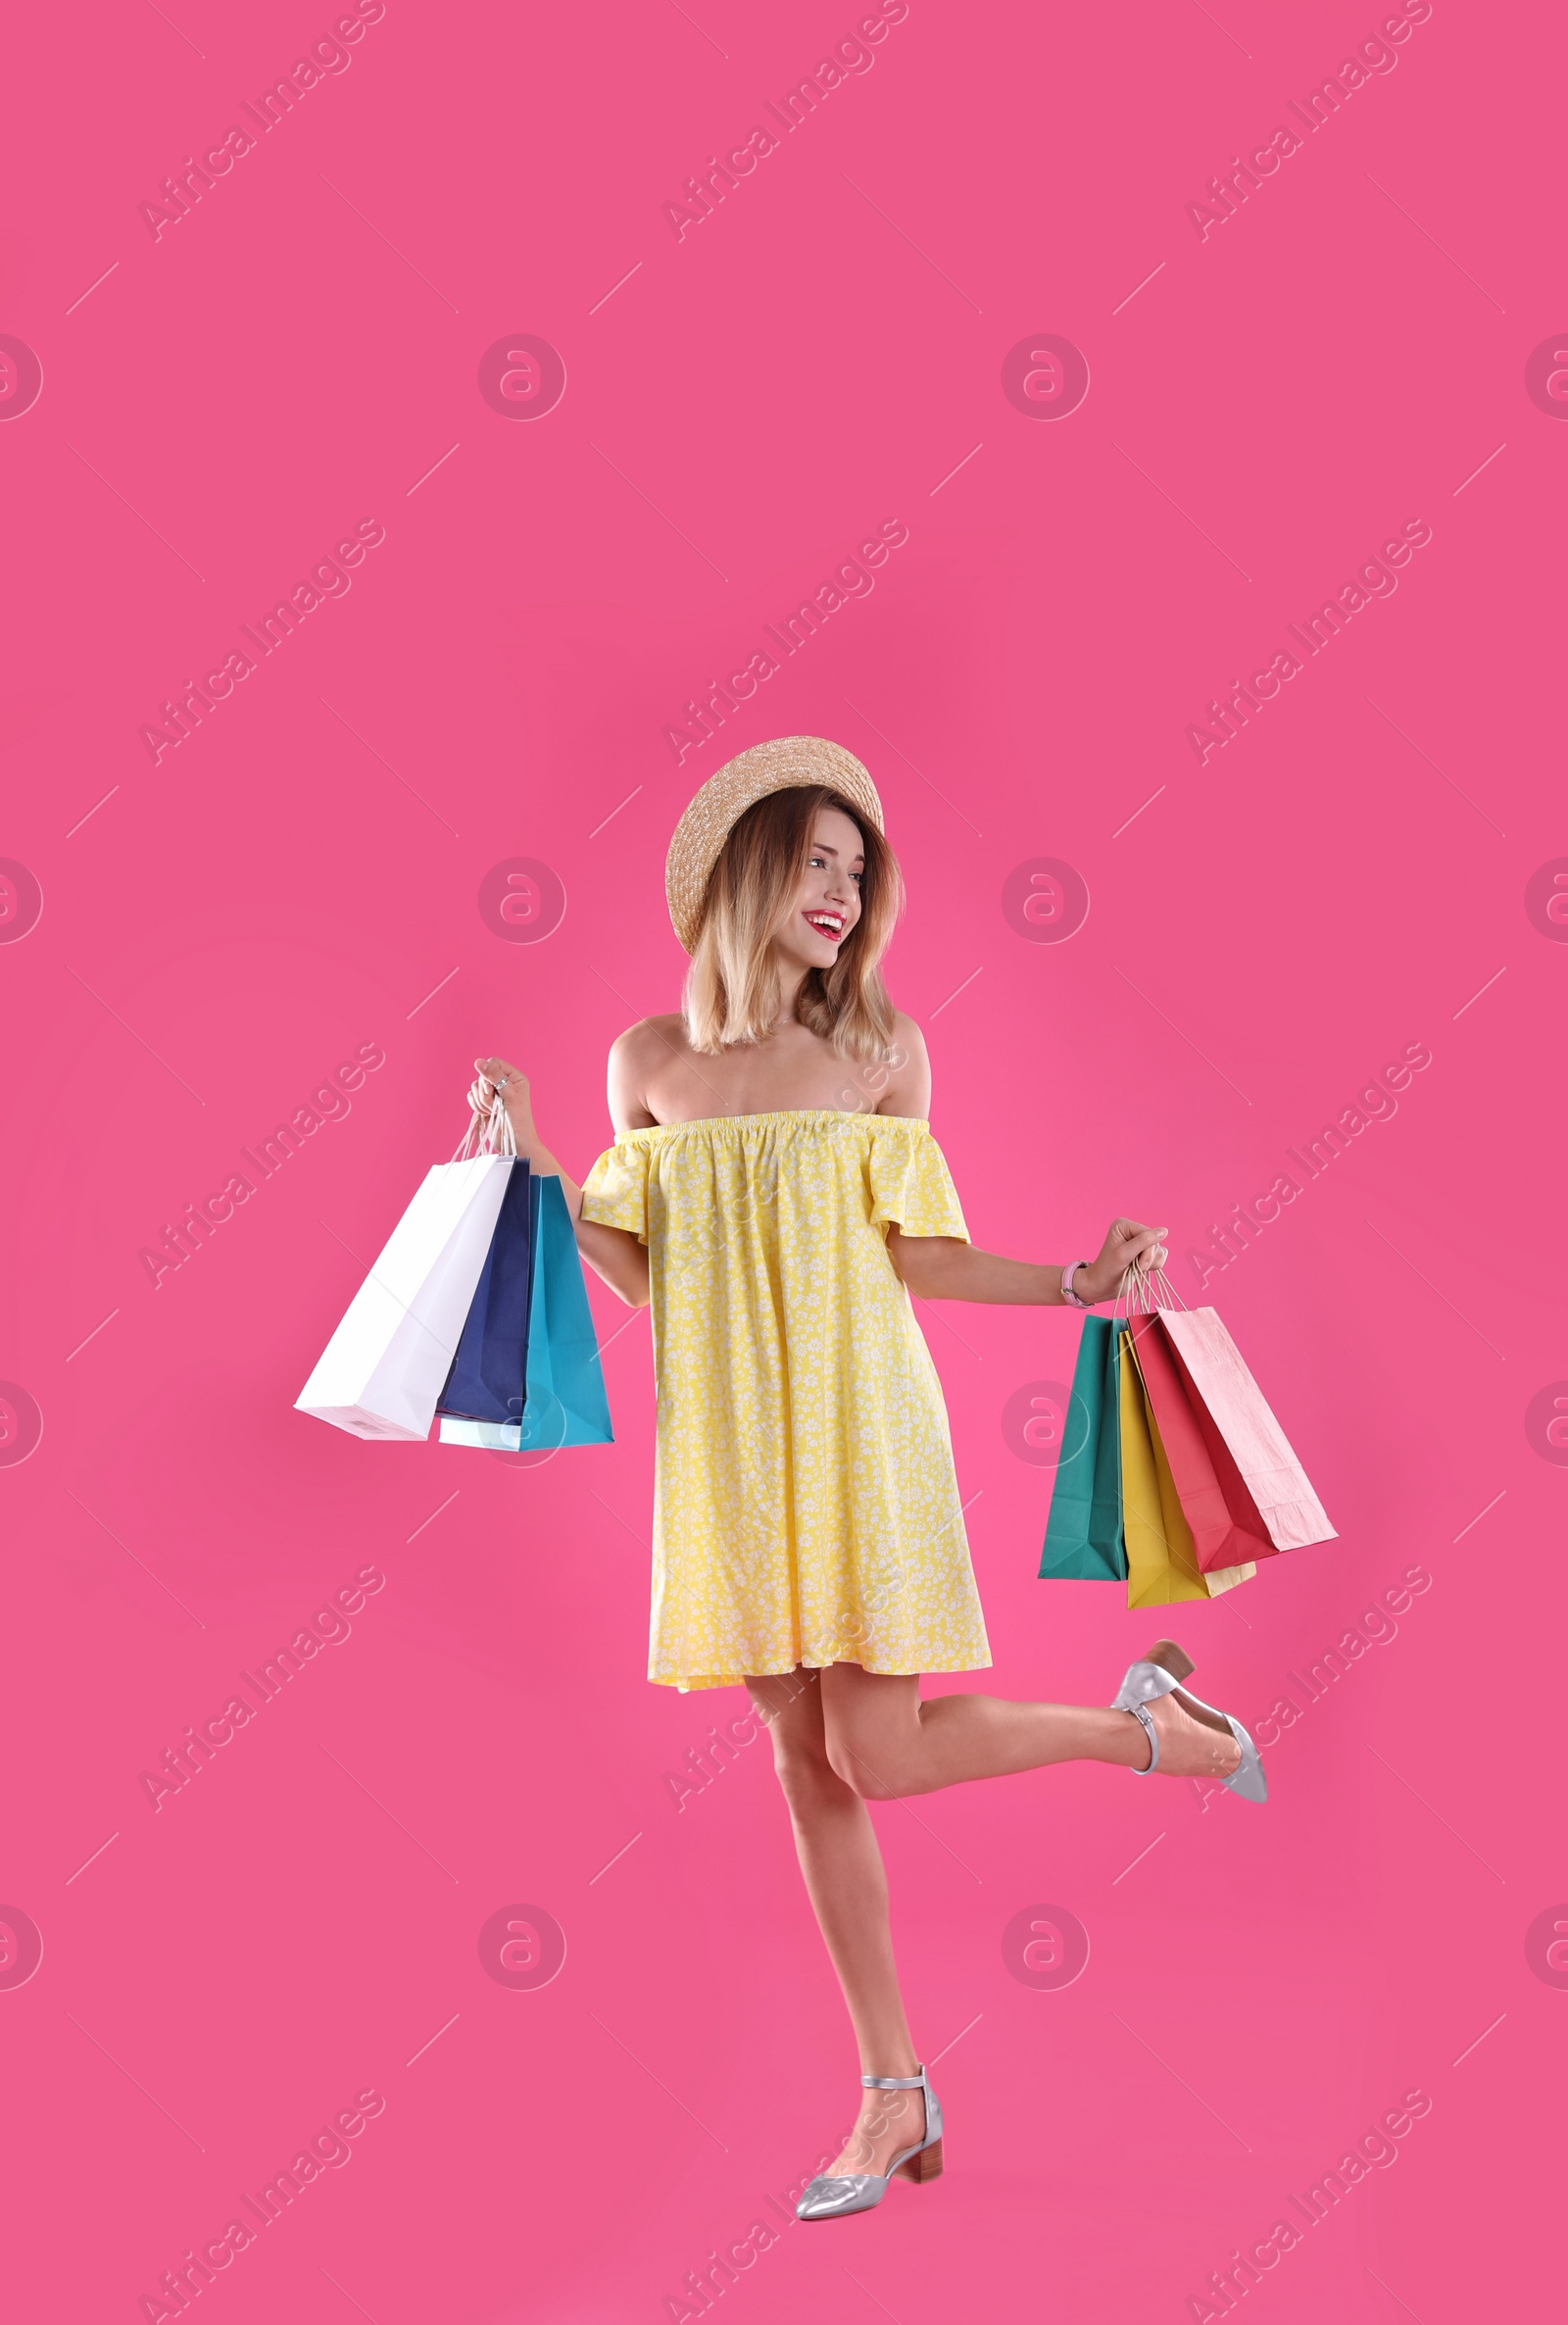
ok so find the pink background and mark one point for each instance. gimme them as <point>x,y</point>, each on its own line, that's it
<point>744,406</point>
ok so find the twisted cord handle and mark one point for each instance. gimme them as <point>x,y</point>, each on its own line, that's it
<point>1146,1291</point>
<point>488,1134</point>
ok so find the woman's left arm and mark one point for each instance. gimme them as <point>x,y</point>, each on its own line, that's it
<point>940,1268</point>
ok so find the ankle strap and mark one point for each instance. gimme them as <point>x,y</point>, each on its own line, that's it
<point>1140,1713</point>
<point>895,2082</point>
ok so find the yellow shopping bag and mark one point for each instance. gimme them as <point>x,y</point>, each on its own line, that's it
<point>1161,1557</point>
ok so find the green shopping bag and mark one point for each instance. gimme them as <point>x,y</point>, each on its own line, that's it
<point>1084,1538</point>
<point>565,1401</point>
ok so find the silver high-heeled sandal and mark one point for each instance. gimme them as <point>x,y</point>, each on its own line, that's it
<point>1161,1674</point>
<point>832,2195</point>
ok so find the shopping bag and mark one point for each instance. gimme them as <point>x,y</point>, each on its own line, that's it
<point>383,1369</point>
<point>1224,1578</point>
<point>1161,1562</point>
<point>1220,1513</point>
<point>1220,1386</point>
<point>1084,1531</point>
<point>566,1383</point>
<point>488,1380</point>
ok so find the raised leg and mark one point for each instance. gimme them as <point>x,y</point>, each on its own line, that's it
<point>887,1745</point>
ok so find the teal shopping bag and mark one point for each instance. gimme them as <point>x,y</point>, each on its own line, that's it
<point>565,1400</point>
<point>1084,1538</point>
<point>567,1403</point>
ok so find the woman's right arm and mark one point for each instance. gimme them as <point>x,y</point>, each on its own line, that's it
<point>613,1254</point>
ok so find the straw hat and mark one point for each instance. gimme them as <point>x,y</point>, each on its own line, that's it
<point>794,761</point>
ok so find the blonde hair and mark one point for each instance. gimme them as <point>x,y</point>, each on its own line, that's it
<point>732,987</point>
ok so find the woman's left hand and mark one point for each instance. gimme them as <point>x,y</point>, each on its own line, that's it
<point>1128,1244</point>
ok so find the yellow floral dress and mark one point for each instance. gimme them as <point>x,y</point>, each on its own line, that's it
<point>804,1509</point>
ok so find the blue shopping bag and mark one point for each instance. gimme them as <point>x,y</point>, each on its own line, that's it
<point>488,1379</point>
<point>1084,1533</point>
<point>565,1403</point>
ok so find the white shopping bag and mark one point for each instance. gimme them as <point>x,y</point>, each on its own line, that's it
<point>386,1364</point>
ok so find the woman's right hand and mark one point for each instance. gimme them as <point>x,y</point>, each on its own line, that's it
<point>495,1076</point>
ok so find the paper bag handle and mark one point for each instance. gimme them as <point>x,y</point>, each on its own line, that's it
<point>1147,1290</point>
<point>488,1134</point>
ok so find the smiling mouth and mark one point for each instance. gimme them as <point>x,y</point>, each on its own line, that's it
<point>828,925</point>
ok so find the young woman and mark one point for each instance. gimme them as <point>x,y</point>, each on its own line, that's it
<point>776,1194</point>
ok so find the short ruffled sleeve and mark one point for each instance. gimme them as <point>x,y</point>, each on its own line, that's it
<point>616,1191</point>
<point>912,1186</point>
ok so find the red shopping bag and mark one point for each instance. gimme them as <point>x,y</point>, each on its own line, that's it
<point>1236,1417</point>
<point>1226,1526</point>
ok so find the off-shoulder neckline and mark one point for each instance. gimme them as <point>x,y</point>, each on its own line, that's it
<point>796,1113</point>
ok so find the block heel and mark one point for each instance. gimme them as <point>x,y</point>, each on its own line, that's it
<point>926,2165</point>
<point>1168,1656</point>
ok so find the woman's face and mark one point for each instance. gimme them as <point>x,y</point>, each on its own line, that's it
<point>827,902</point>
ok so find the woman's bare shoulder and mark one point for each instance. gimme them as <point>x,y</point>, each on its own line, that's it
<point>651,1037</point>
<point>908,1084</point>
<point>907,1038</point>
<point>636,1056</point>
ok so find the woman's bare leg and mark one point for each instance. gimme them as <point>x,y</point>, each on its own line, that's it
<point>886,1744</point>
<point>848,1887</point>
